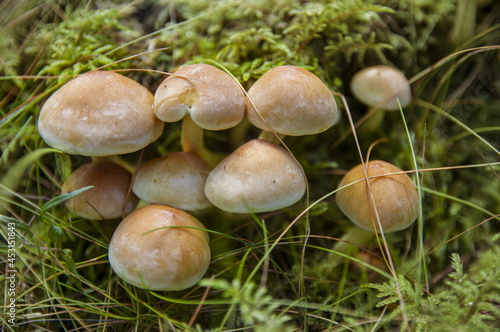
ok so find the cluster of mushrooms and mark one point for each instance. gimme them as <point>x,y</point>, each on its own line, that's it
<point>161,245</point>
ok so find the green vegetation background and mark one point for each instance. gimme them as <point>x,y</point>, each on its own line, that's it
<point>447,274</point>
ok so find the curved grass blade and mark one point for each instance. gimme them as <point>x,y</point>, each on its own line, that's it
<point>11,179</point>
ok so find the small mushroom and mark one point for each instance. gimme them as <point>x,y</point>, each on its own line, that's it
<point>177,179</point>
<point>293,101</point>
<point>160,248</point>
<point>110,197</point>
<point>99,113</point>
<point>396,203</point>
<point>259,176</point>
<point>203,96</point>
<point>382,87</point>
<point>395,197</point>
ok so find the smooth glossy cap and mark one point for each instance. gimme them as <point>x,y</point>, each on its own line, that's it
<point>293,101</point>
<point>396,197</point>
<point>109,196</point>
<point>144,247</point>
<point>373,85</point>
<point>212,98</point>
<point>258,173</point>
<point>99,113</point>
<point>177,179</point>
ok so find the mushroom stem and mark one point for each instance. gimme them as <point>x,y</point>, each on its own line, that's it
<point>270,137</point>
<point>372,123</point>
<point>115,159</point>
<point>239,135</point>
<point>465,23</point>
<point>192,141</point>
<point>354,237</point>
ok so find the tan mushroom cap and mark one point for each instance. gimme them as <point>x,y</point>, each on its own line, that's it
<point>145,247</point>
<point>212,98</point>
<point>395,196</point>
<point>373,85</point>
<point>293,101</point>
<point>258,173</point>
<point>109,198</point>
<point>99,113</point>
<point>177,179</point>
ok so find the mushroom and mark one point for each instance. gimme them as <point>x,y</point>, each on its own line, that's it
<point>110,197</point>
<point>177,179</point>
<point>205,98</point>
<point>161,248</point>
<point>259,176</point>
<point>383,87</point>
<point>395,197</point>
<point>293,101</point>
<point>99,113</point>
<point>396,204</point>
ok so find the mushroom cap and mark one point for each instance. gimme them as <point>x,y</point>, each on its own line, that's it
<point>212,98</point>
<point>293,101</point>
<point>395,196</point>
<point>177,179</point>
<point>111,192</point>
<point>171,258</point>
<point>373,85</point>
<point>258,175</point>
<point>99,113</point>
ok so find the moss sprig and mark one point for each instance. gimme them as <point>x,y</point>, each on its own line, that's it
<point>465,301</point>
<point>81,42</point>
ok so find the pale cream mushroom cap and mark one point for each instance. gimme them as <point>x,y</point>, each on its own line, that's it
<point>395,196</point>
<point>373,85</point>
<point>110,197</point>
<point>293,101</point>
<point>99,113</point>
<point>258,173</point>
<point>212,98</point>
<point>177,179</point>
<point>144,246</point>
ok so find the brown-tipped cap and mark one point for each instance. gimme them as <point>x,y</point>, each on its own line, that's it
<point>396,197</point>
<point>177,179</point>
<point>99,113</point>
<point>108,199</point>
<point>373,85</point>
<point>145,249</point>
<point>259,175</point>
<point>293,101</point>
<point>212,98</point>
